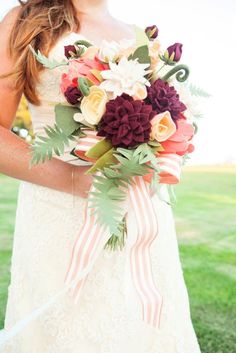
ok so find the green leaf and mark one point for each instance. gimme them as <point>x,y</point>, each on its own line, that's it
<point>142,53</point>
<point>106,159</point>
<point>65,118</point>
<point>55,141</point>
<point>83,86</point>
<point>111,186</point>
<point>99,149</point>
<point>49,64</point>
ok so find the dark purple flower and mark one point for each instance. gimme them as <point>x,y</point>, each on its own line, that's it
<point>164,97</point>
<point>70,50</point>
<point>73,94</point>
<point>175,49</point>
<point>152,32</point>
<point>126,121</point>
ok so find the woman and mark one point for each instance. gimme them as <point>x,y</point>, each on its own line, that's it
<point>50,209</point>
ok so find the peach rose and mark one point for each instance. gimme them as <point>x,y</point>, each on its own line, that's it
<point>179,142</point>
<point>92,106</point>
<point>162,127</point>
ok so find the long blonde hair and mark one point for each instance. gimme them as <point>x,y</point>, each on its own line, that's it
<point>39,23</point>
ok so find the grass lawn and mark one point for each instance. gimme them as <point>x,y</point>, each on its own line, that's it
<point>206,227</point>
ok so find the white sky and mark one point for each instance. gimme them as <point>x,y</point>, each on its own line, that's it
<point>207,28</point>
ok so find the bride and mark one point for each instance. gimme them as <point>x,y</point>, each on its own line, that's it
<point>50,210</point>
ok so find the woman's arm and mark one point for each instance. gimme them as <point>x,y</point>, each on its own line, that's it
<point>14,152</point>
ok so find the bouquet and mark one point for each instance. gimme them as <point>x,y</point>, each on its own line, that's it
<point>127,109</point>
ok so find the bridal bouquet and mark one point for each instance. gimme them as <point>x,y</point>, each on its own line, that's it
<point>128,108</point>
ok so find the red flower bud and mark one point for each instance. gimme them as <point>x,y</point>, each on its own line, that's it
<point>73,94</point>
<point>175,50</point>
<point>69,51</point>
<point>152,32</point>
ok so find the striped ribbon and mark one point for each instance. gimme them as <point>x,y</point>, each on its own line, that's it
<point>92,237</point>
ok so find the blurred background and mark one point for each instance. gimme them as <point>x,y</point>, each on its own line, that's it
<point>206,197</point>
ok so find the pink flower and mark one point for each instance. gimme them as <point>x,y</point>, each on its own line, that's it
<point>179,142</point>
<point>82,67</point>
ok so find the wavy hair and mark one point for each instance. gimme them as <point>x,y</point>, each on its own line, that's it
<point>39,23</point>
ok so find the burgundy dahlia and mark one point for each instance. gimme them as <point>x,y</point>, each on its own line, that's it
<point>164,97</point>
<point>126,121</point>
<point>72,94</point>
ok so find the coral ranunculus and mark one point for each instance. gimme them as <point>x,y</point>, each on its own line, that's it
<point>179,142</point>
<point>126,121</point>
<point>82,67</point>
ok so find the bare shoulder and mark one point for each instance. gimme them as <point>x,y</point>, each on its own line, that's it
<point>8,21</point>
<point>126,28</point>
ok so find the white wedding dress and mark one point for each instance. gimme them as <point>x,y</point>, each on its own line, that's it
<point>104,320</point>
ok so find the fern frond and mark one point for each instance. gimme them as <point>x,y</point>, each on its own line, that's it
<point>111,186</point>
<point>55,141</point>
<point>197,91</point>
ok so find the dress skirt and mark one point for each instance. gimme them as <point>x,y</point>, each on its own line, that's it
<point>105,320</point>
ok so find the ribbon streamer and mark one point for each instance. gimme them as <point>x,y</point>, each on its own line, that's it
<point>92,237</point>
<point>140,258</point>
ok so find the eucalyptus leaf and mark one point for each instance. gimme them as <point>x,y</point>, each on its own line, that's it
<point>142,54</point>
<point>65,118</point>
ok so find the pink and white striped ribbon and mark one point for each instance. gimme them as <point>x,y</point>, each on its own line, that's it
<point>140,258</point>
<point>86,142</point>
<point>92,237</point>
<point>170,165</point>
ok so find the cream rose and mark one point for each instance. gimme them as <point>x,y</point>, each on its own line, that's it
<point>162,127</point>
<point>92,106</point>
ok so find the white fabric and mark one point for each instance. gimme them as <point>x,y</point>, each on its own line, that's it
<point>107,318</point>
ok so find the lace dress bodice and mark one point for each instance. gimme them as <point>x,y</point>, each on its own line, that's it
<point>50,94</point>
<point>105,321</point>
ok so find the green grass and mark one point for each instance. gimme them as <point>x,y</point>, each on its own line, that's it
<point>8,198</point>
<point>206,227</point>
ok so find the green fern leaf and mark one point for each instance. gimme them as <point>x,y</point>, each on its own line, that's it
<point>111,186</point>
<point>55,141</point>
<point>197,91</point>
